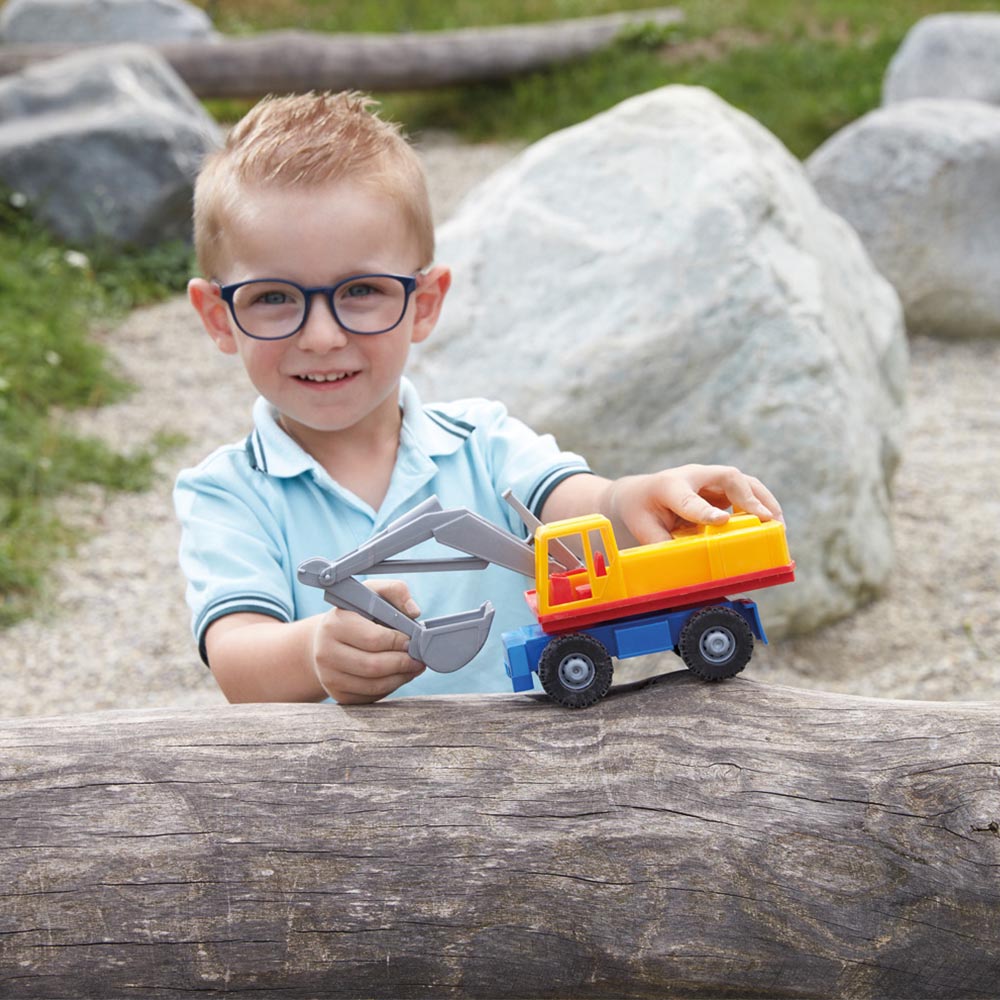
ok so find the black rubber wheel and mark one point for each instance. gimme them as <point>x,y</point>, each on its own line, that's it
<point>575,670</point>
<point>716,643</point>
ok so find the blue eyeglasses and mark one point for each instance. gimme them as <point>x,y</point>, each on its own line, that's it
<point>273,309</point>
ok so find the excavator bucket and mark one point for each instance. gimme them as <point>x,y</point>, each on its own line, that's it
<point>445,644</point>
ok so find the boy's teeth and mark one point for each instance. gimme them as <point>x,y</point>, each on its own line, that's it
<point>324,378</point>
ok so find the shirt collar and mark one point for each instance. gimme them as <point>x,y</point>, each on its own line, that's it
<point>427,432</point>
<point>427,429</point>
<point>275,452</point>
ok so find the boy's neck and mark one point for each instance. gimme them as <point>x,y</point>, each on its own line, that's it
<point>360,459</point>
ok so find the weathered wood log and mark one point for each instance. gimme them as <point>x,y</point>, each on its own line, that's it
<point>676,840</point>
<point>297,61</point>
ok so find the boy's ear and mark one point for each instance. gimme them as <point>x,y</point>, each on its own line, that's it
<point>429,297</point>
<point>204,296</point>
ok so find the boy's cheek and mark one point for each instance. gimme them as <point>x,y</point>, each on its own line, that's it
<point>262,360</point>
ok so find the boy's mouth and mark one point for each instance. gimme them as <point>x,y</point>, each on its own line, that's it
<point>320,379</point>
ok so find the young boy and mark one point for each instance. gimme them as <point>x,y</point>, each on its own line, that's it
<point>314,235</point>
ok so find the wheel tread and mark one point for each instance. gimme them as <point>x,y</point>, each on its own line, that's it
<point>575,643</point>
<point>697,625</point>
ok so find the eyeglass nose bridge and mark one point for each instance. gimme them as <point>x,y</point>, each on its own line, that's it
<point>326,292</point>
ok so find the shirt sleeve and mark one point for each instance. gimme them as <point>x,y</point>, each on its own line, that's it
<point>231,548</point>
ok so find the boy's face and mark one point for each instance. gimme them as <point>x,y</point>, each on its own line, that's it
<point>323,379</point>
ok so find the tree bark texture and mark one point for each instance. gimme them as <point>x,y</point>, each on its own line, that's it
<point>679,839</point>
<point>297,61</point>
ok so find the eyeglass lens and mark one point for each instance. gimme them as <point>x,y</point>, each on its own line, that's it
<point>273,309</point>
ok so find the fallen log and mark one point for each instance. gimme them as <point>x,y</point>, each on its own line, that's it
<point>677,840</point>
<point>297,61</point>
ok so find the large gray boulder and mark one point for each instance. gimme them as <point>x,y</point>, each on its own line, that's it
<point>920,182</point>
<point>947,55</point>
<point>102,21</point>
<point>104,145</point>
<point>661,285</point>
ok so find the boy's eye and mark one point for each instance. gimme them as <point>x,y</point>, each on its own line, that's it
<point>254,294</point>
<point>359,290</point>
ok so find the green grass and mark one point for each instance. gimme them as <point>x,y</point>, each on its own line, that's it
<point>804,68</point>
<point>49,364</point>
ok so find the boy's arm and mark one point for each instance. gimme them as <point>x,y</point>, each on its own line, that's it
<point>647,508</point>
<point>355,661</point>
<point>232,555</point>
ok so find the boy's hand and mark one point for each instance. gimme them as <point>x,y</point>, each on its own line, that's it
<point>358,661</point>
<point>652,506</point>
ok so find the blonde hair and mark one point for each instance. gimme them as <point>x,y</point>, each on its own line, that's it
<point>309,140</point>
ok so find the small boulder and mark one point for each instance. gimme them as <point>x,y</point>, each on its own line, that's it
<point>947,55</point>
<point>660,285</point>
<point>104,145</point>
<point>86,22</point>
<point>919,182</point>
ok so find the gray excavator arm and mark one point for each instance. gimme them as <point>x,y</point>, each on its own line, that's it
<point>448,643</point>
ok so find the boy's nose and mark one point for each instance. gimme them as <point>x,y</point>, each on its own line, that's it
<point>321,331</point>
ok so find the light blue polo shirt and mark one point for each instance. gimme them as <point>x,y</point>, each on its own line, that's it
<point>253,510</point>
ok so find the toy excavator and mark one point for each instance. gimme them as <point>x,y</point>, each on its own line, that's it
<point>592,601</point>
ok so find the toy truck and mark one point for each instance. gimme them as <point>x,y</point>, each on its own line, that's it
<point>646,599</point>
<point>592,601</point>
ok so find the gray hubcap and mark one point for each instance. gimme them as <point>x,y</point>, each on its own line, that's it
<point>717,645</point>
<point>576,671</point>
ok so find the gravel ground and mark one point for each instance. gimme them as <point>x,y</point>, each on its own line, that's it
<point>114,633</point>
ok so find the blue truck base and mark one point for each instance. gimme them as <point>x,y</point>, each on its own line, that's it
<point>654,632</point>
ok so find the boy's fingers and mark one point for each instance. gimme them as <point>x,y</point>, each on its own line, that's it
<point>397,594</point>
<point>750,494</point>
<point>358,633</point>
<point>701,494</point>
<point>684,496</point>
<point>768,499</point>
<point>377,684</point>
<point>352,690</point>
<point>360,660</point>
<point>365,661</point>
<point>695,508</point>
<point>647,528</point>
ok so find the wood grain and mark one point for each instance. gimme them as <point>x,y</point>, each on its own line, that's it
<point>679,839</point>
